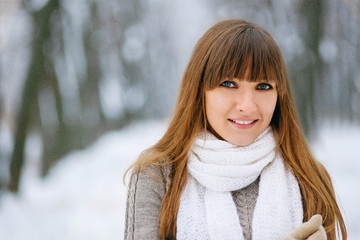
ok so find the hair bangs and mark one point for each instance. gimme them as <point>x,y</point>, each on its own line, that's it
<point>249,55</point>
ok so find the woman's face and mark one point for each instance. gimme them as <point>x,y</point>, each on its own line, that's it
<point>238,110</point>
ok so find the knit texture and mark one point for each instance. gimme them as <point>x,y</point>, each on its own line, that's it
<point>146,191</point>
<point>245,200</point>
<point>207,209</point>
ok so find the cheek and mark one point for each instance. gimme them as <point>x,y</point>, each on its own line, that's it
<point>268,107</point>
<point>213,103</point>
<point>216,108</point>
<point>211,108</point>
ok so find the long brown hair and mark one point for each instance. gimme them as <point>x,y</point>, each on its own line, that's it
<point>227,50</point>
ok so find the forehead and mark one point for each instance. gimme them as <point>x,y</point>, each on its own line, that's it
<point>271,81</point>
<point>249,71</point>
<point>253,72</point>
<point>250,54</point>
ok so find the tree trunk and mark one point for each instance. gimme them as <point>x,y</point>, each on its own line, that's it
<point>30,91</point>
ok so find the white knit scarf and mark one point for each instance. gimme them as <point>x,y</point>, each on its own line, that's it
<point>216,167</point>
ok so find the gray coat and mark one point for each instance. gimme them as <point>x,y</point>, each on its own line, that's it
<point>147,190</point>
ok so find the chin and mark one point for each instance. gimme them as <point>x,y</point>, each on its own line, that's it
<point>242,142</point>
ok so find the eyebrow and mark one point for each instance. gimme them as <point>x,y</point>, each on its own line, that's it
<point>241,80</point>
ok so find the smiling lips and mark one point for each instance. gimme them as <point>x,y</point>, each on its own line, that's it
<point>243,123</point>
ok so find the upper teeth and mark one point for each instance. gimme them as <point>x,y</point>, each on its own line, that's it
<point>243,122</point>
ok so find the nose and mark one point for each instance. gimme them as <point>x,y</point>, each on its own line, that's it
<point>245,101</point>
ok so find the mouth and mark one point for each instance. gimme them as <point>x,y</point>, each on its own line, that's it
<point>242,122</point>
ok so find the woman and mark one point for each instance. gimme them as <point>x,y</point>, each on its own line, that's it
<point>233,163</point>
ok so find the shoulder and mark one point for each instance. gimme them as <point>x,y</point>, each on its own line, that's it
<point>146,191</point>
<point>154,176</point>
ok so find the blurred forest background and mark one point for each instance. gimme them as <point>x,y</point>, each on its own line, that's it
<point>72,70</point>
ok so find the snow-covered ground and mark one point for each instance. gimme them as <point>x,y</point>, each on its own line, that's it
<point>84,197</point>
<point>338,148</point>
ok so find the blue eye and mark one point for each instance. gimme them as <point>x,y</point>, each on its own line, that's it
<point>228,84</point>
<point>264,86</point>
